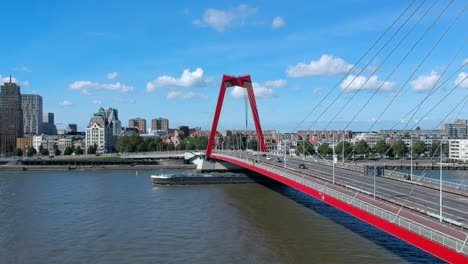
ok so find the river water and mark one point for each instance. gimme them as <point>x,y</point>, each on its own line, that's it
<point>119,217</point>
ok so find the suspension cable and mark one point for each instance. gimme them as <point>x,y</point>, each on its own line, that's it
<point>412,48</point>
<point>360,59</point>
<point>386,58</point>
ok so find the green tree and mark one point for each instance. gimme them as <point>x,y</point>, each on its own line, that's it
<point>252,144</point>
<point>203,142</point>
<point>324,149</point>
<point>78,151</point>
<point>19,152</point>
<point>68,151</point>
<point>419,147</point>
<point>41,148</point>
<point>57,152</point>
<point>381,147</point>
<point>362,148</point>
<point>399,148</point>
<point>305,148</point>
<point>44,152</point>
<point>92,149</point>
<point>31,151</point>
<point>347,148</point>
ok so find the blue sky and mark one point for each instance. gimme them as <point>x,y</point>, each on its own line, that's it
<point>154,59</point>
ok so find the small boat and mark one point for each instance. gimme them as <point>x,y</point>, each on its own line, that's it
<point>163,176</point>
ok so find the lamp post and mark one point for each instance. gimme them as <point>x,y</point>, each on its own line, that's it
<point>440,182</point>
<point>333,157</point>
<point>411,166</point>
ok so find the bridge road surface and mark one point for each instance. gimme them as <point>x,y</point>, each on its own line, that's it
<point>421,200</point>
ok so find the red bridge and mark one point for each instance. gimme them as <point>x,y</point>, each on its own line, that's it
<point>410,211</point>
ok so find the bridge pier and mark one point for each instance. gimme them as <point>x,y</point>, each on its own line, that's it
<point>204,165</point>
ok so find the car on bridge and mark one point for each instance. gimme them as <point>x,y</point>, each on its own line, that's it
<point>268,158</point>
<point>302,166</point>
<point>278,160</point>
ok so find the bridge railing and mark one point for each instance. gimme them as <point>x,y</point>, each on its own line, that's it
<point>408,224</point>
<point>388,173</point>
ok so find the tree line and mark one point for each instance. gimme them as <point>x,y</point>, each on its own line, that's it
<point>397,149</point>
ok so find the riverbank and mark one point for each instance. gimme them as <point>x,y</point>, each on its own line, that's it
<point>96,167</point>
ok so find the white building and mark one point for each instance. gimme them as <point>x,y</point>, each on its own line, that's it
<point>458,149</point>
<point>370,138</point>
<point>102,130</point>
<point>37,141</point>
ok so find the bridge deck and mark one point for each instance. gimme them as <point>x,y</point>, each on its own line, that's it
<point>404,215</point>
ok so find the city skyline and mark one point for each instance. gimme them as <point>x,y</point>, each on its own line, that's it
<point>171,64</point>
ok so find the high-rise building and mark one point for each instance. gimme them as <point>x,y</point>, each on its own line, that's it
<point>160,124</point>
<point>138,123</point>
<point>48,125</point>
<point>11,116</point>
<point>32,113</point>
<point>102,130</point>
<point>459,129</point>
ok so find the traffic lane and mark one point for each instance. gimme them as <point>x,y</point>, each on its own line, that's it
<point>425,198</point>
<point>419,199</point>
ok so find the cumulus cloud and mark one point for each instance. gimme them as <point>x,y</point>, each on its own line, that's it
<point>86,86</point>
<point>188,79</point>
<point>260,91</point>
<point>220,20</point>
<point>180,95</point>
<point>364,83</point>
<point>276,83</point>
<point>7,79</point>
<point>462,79</point>
<point>97,102</point>
<point>25,83</point>
<point>425,82</point>
<point>327,65</point>
<point>112,75</point>
<point>278,22</point>
<point>23,69</point>
<point>66,103</point>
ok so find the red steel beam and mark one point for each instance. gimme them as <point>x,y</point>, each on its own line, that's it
<point>244,82</point>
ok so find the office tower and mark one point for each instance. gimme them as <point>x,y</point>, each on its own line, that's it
<point>11,116</point>
<point>138,123</point>
<point>160,124</point>
<point>48,125</point>
<point>32,113</point>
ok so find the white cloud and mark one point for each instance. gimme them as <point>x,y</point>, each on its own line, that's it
<point>465,61</point>
<point>220,20</point>
<point>23,69</point>
<point>25,83</point>
<point>276,83</point>
<point>188,79</point>
<point>371,83</point>
<point>7,79</point>
<point>425,82</point>
<point>278,22</point>
<point>97,102</point>
<point>86,86</point>
<point>317,90</point>
<point>259,91</point>
<point>180,95</point>
<point>66,103</point>
<point>112,75</point>
<point>327,65</point>
<point>462,79</point>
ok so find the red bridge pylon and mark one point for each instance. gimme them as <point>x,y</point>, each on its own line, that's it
<point>244,82</point>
